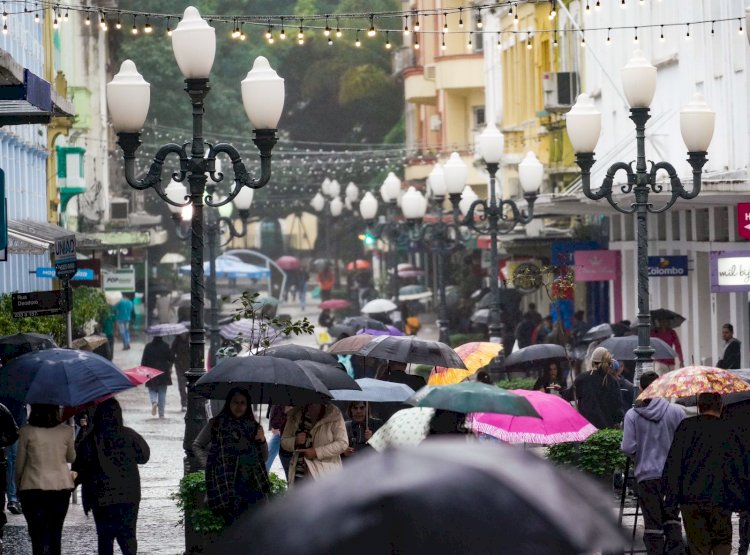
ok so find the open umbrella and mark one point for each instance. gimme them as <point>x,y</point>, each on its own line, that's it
<point>559,422</point>
<point>414,293</point>
<point>164,330</point>
<point>469,397</point>
<point>440,497</point>
<point>332,376</point>
<point>391,330</point>
<point>535,356</point>
<point>62,377</point>
<point>408,271</point>
<point>18,344</point>
<point>694,380</point>
<point>378,306</point>
<point>268,379</point>
<point>410,349</point>
<point>475,356</point>
<point>249,328</point>
<point>672,318</point>
<point>300,352</point>
<point>335,304</point>
<point>89,342</point>
<point>375,391</point>
<point>350,345</point>
<point>288,262</point>
<point>172,258</point>
<point>480,316</point>
<point>622,348</point>
<point>602,331</point>
<point>352,324</point>
<point>358,264</point>
<point>405,428</point>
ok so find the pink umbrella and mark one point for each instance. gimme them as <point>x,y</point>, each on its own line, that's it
<point>288,262</point>
<point>335,304</point>
<point>559,422</point>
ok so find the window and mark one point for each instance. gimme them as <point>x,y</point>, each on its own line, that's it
<point>478,117</point>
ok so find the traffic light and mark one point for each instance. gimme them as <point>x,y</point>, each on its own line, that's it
<point>368,239</point>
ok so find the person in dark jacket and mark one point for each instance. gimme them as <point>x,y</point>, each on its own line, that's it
<point>232,447</point>
<point>359,427</point>
<point>730,358</point>
<point>648,431</point>
<point>707,476</point>
<point>107,460</point>
<point>8,437</point>
<point>550,380</point>
<point>181,356</point>
<point>158,355</point>
<point>394,371</point>
<point>598,393</point>
<point>736,418</point>
<point>524,331</point>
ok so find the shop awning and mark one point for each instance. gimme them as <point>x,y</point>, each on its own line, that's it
<point>28,237</point>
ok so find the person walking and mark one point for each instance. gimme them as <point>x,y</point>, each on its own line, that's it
<point>706,475</point>
<point>8,437</point>
<point>665,332</point>
<point>45,448</point>
<point>108,329</point>
<point>158,355</point>
<point>181,357</point>
<point>8,453</point>
<point>597,392</point>
<point>233,450</point>
<point>648,431</point>
<point>276,425</point>
<point>359,427</point>
<point>730,358</point>
<point>107,459</point>
<point>326,281</point>
<point>316,434</point>
<point>123,315</point>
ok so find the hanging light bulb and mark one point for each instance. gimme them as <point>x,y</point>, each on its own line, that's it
<point>740,30</point>
<point>588,7</point>
<point>406,25</point>
<point>480,23</point>
<point>357,42</point>
<point>330,41</point>
<point>609,38</point>
<point>134,30</point>
<point>66,17</point>
<point>87,22</point>
<point>36,19</point>
<point>598,4</point>
<point>338,29</point>
<point>147,28</point>
<point>583,40</point>
<point>371,30</point>
<point>169,28</point>
<point>554,39</point>
<point>235,30</point>
<point>622,4</point>
<point>460,18</point>
<point>118,25</point>
<point>416,21</point>
<point>242,33</point>
<point>416,41</point>
<point>282,33</point>
<point>469,44</point>
<point>269,32</point>
<point>499,41</point>
<point>687,33</point>
<point>5,28</point>
<point>442,44</point>
<point>387,41</point>
<point>661,34</point>
<point>445,21</point>
<point>327,30</point>
<point>300,34</point>
<point>54,23</point>
<point>528,42</point>
<point>635,35</point>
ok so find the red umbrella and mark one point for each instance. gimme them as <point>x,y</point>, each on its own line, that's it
<point>358,264</point>
<point>335,304</point>
<point>138,376</point>
<point>288,262</point>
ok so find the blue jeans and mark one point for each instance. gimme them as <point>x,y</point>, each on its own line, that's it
<point>124,327</point>
<point>10,457</point>
<point>158,395</point>
<point>273,449</point>
<point>302,293</point>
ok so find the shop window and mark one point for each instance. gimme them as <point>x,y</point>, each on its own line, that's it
<point>676,225</point>
<point>701,224</point>
<point>721,223</point>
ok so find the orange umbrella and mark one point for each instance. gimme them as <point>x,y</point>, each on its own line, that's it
<point>694,380</point>
<point>358,264</point>
<point>475,355</point>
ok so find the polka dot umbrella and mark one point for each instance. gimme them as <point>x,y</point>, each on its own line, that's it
<point>406,427</point>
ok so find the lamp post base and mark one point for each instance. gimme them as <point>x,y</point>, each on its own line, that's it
<point>443,331</point>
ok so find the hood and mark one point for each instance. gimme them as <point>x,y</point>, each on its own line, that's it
<point>655,410</point>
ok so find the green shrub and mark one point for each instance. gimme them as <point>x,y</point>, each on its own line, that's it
<point>460,338</point>
<point>599,455</point>
<point>517,383</point>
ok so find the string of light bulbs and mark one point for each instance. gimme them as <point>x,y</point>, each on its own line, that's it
<point>275,26</point>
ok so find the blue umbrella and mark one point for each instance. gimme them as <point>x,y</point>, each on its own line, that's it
<point>61,377</point>
<point>375,391</point>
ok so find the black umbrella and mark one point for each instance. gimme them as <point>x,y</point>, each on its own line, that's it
<point>19,344</point>
<point>622,348</point>
<point>300,352</point>
<point>440,497</point>
<point>268,379</point>
<point>602,331</point>
<point>332,376</point>
<point>409,349</point>
<point>535,356</point>
<point>363,322</point>
<point>673,319</point>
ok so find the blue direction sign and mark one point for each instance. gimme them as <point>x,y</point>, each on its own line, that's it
<point>49,273</point>
<point>667,266</point>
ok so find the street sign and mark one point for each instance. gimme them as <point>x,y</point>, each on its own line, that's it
<point>50,273</point>
<point>37,303</point>
<point>65,257</point>
<point>743,219</point>
<point>667,266</point>
<point>122,280</point>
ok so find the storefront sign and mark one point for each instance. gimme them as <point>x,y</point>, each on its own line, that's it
<point>743,219</point>
<point>667,266</point>
<point>597,265</point>
<point>37,303</point>
<point>122,280</point>
<point>730,271</point>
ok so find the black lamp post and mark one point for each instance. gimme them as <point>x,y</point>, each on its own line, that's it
<point>389,229</point>
<point>128,95</point>
<point>220,230</point>
<point>584,128</point>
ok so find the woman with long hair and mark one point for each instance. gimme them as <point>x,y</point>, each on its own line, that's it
<point>107,459</point>
<point>233,449</point>
<point>598,393</point>
<point>550,380</point>
<point>45,447</point>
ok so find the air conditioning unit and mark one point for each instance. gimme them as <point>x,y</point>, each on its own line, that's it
<point>118,210</point>
<point>435,123</point>
<point>560,90</point>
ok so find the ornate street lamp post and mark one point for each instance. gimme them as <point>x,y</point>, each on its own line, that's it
<point>584,127</point>
<point>388,228</point>
<point>220,230</point>
<point>128,96</point>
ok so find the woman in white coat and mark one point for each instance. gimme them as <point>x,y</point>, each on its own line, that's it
<point>316,434</point>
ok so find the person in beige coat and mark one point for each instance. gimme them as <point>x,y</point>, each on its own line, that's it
<point>45,447</point>
<point>316,434</point>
